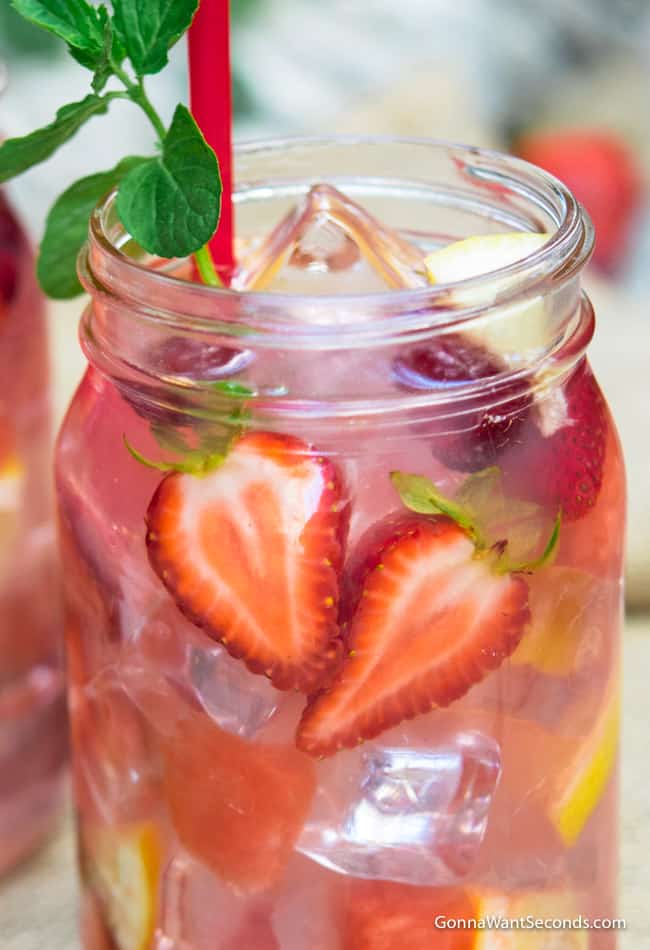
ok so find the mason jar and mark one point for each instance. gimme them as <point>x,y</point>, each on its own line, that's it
<point>32,698</point>
<point>342,553</point>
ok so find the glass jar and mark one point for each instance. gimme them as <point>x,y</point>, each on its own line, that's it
<point>32,700</point>
<point>343,629</point>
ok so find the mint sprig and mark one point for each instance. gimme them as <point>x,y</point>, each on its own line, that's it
<point>169,203</point>
<point>478,495</point>
<point>194,463</point>
<point>67,227</point>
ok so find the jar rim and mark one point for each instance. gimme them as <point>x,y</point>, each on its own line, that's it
<point>104,268</point>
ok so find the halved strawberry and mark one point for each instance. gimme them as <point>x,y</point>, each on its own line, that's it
<point>251,552</point>
<point>564,468</point>
<point>433,617</point>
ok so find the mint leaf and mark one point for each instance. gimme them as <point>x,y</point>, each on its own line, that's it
<point>507,565</point>
<point>232,388</point>
<point>102,61</point>
<point>195,463</point>
<point>17,155</point>
<point>75,21</point>
<point>419,494</point>
<point>66,229</point>
<point>171,204</point>
<point>148,28</point>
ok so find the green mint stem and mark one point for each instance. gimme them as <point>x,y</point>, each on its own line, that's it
<point>140,96</point>
<point>206,268</point>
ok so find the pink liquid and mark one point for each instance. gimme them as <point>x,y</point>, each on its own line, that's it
<point>186,764</point>
<point>32,704</point>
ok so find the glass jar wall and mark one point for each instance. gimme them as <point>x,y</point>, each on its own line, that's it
<point>343,568</point>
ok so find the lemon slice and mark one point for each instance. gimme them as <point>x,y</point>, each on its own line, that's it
<point>125,869</point>
<point>12,478</point>
<point>481,254</point>
<point>514,329</point>
<point>12,481</point>
<point>562,623</point>
<point>582,782</point>
<point>547,906</point>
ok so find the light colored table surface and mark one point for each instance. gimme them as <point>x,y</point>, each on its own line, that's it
<point>37,902</point>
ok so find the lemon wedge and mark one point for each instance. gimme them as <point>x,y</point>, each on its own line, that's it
<point>514,329</point>
<point>481,254</point>
<point>562,621</point>
<point>12,481</point>
<point>125,869</point>
<point>12,477</point>
<point>583,780</point>
<point>547,906</point>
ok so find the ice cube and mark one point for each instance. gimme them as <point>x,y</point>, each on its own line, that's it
<point>306,912</point>
<point>196,911</point>
<point>116,766</point>
<point>417,816</point>
<point>328,233</point>
<point>170,665</point>
<point>237,700</point>
<point>325,247</point>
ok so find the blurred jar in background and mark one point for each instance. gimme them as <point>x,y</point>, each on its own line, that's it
<point>32,708</point>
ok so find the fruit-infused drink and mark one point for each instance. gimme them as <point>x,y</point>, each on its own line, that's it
<point>342,552</point>
<point>32,703</point>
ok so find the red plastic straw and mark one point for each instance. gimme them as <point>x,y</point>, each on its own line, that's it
<point>211,104</point>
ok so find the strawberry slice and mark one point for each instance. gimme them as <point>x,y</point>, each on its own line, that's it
<point>564,468</point>
<point>434,614</point>
<point>251,552</point>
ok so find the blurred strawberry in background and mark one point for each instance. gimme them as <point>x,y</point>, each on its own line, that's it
<point>602,172</point>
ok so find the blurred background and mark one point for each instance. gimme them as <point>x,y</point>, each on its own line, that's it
<point>566,83</point>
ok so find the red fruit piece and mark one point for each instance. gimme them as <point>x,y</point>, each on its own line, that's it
<point>195,359</point>
<point>251,552</point>
<point>386,916</point>
<point>237,806</point>
<point>600,170</point>
<point>8,275</point>
<point>565,470</point>
<point>11,242</point>
<point>454,361</point>
<point>433,618</point>
<point>10,233</point>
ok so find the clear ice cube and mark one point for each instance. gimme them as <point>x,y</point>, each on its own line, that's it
<point>196,911</point>
<point>328,233</point>
<point>171,665</point>
<point>305,913</point>
<point>417,816</point>
<point>237,700</point>
<point>116,767</point>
